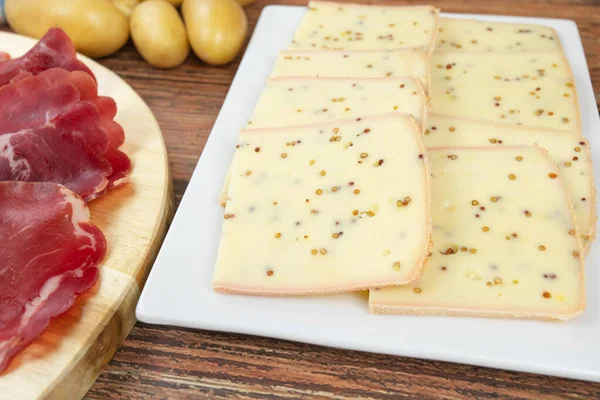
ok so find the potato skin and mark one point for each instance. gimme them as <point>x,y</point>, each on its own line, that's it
<point>126,6</point>
<point>96,27</point>
<point>158,34</point>
<point>216,29</point>
<point>176,3</point>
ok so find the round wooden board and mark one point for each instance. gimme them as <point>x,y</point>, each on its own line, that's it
<point>64,362</point>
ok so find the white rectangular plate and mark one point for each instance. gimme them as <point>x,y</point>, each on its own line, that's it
<point>179,291</point>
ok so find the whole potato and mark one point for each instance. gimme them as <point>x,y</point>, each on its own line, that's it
<point>126,6</point>
<point>159,34</point>
<point>216,29</point>
<point>244,3</point>
<point>96,27</point>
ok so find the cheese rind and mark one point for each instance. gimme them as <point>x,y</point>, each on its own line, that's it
<point>347,26</point>
<point>354,64</point>
<point>568,150</point>
<point>310,213</point>
<point>533,89</point>
<point>297,101</point>
<point>475,35</point>
<point>505,239</point>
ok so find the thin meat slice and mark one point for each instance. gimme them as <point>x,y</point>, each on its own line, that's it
<point>54,50</point>
<point>70,151</point>
<point>4,56</point>
<point>121,167</point>
<point>50,254</point>
<point>29,101</point>
<point>107,108</point>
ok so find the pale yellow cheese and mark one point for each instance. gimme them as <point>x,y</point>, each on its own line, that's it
<point>346,26</point>
<point>505,240</point>
<point>354,64</point>
<point>298,101</point>
<point>326,208</point>
<point>569,151</point>
<point>533,88</point>
<point>474,35</point>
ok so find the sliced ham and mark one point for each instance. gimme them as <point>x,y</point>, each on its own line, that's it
<point>54,50</point>
<point>50,253</point>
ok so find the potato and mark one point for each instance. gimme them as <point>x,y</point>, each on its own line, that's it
<point>159,34</point>
<point>126,6</point>
<point>216,29</point>
<point>176,3</point>
<point>244,3</point>
<point>96,27</point>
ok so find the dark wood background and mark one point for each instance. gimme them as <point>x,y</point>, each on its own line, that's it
<point>163,362</point>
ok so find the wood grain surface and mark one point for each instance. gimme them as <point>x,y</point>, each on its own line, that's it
<point>162,362</point>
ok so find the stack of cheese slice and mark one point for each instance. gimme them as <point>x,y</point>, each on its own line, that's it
<point>326,208</point>
<point>329,192</point>
<point>508,242</point>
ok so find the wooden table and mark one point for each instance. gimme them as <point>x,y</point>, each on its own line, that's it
<point>166,362</point>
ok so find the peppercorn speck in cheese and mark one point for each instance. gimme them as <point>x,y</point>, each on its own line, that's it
<point>355,64</point>
<point>502,247</point>
<point>348,208</point>
<point>345,26</point>
<point>533,89</point>
<point>568,150</point>
<point>296,101</point>
<point>471,35</point>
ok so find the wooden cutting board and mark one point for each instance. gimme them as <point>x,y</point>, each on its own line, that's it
<point>64,362</point>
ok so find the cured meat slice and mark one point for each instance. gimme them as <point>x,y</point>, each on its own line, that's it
<point>70,151</point>
<point>30,101</point>
<point>121,166</point>
<point>4,56</point>
<point>54,50</point>
<point>50,254</point>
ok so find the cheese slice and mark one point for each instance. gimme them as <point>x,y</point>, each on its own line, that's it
<point>474,35</point>
<point>298,101</point>
<point>533,89</point>
<point>506,243</point>
<point>354,64</point>
<point>326,208</point>
<point>568,150</point>
<point>345,26</point>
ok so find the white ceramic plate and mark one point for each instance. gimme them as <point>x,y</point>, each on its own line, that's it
<point>179,291</point>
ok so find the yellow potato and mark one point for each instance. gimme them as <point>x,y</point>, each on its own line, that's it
<point>244,3</point>
<point>159,34</point>
<point>216,29</point>
<point>96,27</point>
<point>176,3</point>
<point>126,6</point>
